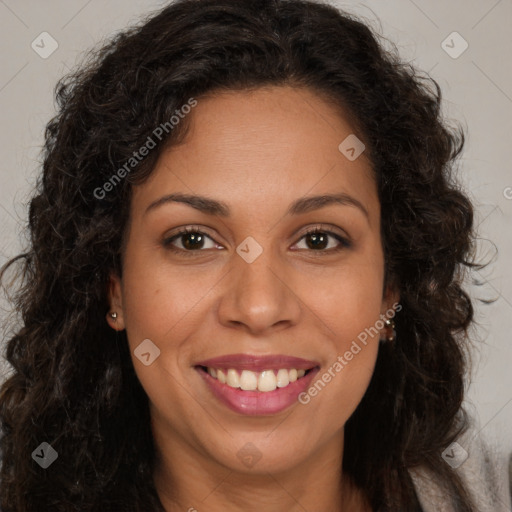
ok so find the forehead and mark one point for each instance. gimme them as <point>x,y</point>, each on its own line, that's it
<point>263,147</point>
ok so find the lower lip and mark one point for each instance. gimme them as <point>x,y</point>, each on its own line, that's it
<point>258,402</point>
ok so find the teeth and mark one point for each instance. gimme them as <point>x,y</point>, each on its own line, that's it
<point>267,381</point>
<point>264,381</point>
<point>282,378</point>
<point>233,379</point>
<point>221,376</point>
<point>248,381</point>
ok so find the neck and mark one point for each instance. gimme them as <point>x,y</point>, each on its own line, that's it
<point>190,480</point>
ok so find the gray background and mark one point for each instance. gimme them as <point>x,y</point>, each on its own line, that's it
<point>477,88</point>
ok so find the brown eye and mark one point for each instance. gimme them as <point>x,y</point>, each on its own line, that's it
<point>191,240</point>
<point>318,240</point>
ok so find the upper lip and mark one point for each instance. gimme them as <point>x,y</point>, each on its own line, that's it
<point>258,363</point>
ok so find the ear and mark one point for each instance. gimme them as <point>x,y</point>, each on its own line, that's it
<point>390,295</point>
<point>391,299</point>
<point>115,299</point>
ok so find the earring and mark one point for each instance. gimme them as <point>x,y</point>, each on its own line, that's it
<point>390,338</point>
<point>113,315</point>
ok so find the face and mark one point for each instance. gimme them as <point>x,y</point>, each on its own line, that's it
<point>249,293</point>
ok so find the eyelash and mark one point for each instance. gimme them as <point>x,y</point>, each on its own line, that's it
<point>344,242</point>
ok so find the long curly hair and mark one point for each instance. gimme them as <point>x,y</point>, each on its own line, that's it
<point>73,384</point>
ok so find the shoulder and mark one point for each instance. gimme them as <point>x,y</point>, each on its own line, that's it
<point>482,468</point>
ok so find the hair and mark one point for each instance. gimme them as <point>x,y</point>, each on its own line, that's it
<point>73,383</point>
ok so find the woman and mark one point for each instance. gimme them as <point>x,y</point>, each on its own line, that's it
<point>239,199</point>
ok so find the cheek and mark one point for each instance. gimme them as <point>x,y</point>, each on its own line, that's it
<point>349,306</point>
<point>347,300</point>
<point>341,383</point>
<point>160,298</point>
<point>164,304</point>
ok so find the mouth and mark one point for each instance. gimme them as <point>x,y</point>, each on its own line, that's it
<point>253,385</point>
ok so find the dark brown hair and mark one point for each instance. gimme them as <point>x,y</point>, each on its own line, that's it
<point>73,384</point>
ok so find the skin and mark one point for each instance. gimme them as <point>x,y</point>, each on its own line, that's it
<point>258,152</point>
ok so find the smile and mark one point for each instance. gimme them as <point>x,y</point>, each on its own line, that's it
<point>255,385</point>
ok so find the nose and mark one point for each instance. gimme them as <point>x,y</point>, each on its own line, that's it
<point>260,295</point>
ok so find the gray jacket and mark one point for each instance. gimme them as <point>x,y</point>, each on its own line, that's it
<point>483,469</point>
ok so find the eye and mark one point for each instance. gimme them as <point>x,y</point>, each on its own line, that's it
<point>193,239</point>
<point>319,240</point>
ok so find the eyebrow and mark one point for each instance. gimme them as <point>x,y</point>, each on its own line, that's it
<point>213,207</point>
